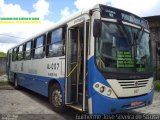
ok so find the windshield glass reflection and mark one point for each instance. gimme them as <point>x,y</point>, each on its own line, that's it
<point>123,49</point>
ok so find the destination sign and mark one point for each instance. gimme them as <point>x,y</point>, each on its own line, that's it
<point>110,12</point>
<point>124,60</point>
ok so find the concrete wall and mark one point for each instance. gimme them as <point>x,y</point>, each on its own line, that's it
<point>3,61</point>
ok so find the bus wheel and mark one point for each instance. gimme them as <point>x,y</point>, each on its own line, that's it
<point>16,86</point>
<point>56,98</point>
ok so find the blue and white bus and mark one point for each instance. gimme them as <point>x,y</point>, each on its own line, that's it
<point>98,61</point>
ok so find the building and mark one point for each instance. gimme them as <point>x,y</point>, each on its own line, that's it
<point>154,23</point>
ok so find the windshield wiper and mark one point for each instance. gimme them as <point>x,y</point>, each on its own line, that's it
<point>124,32</point>
<point>129,39</point>
<point>140,34</point>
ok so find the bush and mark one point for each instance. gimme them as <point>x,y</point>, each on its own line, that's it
<point>4,83</point>
<point>157,85</point>
<point>2,54</point>
<point>2,72</point>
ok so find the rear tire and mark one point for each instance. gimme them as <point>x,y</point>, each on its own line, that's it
<point>56,98</point>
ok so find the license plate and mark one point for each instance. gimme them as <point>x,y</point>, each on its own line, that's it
<point>136,103</point>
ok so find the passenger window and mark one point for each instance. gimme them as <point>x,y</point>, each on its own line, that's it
<point>39,47</point>
<point>20,53</point>
<point>55,43</point>
<point>28,47</point>
<point>14,54</point>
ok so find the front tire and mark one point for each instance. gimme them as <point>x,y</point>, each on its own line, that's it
<point>56,98</point>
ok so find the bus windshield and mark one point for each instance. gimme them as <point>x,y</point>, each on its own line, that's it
<point>123,48</point>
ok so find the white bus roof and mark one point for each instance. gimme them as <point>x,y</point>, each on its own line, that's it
<point>60,23</point>
<point>70,18</point>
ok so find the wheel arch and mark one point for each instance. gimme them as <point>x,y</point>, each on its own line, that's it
<point>54,81</point>
<point>51,85</point>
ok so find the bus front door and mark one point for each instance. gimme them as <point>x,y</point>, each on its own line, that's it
<point>75,85</point>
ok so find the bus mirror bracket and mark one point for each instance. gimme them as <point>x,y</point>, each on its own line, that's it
<point>97,28</point>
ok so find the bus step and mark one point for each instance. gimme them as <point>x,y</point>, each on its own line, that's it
<point>76,106</point>
<point>70,103</point>
<point>76,84</point>
<point>80,98</point>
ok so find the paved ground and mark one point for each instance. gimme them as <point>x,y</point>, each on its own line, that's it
<point>26,105</point>
<point>29,105</point>
<point>154,108</point>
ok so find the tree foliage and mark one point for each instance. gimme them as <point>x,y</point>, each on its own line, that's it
<point>2,54</point>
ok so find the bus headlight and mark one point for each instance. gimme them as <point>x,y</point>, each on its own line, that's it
<point>104,90</point>
<point>109,92</point>
<point>97,85</point>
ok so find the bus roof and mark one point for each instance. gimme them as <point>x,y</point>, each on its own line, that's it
<point>70,18</point>
<point>60,23</point>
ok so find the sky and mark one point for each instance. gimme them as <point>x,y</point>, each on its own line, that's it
<point>53,11</point>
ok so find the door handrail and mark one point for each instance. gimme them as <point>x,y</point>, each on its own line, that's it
<point>72,70</point>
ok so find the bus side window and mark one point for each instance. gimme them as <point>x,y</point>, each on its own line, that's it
<point>20,53</point>
<point>55,43</point>
<point>14,54</point>
<point>27,50</point>
<point>38,50</point>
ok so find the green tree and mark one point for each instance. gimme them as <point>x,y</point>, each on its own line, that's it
<point>2,54</point>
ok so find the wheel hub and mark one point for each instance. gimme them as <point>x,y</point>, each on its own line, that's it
<point>57,98</point>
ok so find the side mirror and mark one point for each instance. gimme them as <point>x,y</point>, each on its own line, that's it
<point>97,28</point>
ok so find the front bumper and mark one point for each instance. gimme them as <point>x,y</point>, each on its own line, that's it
<point>105,105</point>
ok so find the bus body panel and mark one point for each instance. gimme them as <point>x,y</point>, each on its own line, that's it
<point>47,67</point>
<point>38,84</point>
<point>94,76</point>
<point>36,74</point>
<point>106,105</point>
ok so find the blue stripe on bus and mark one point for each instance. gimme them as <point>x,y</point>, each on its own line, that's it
<point>36,83</point>
<point>105,105</point>
<point>94,76</point>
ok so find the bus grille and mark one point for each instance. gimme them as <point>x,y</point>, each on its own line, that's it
<point>126,84</point>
